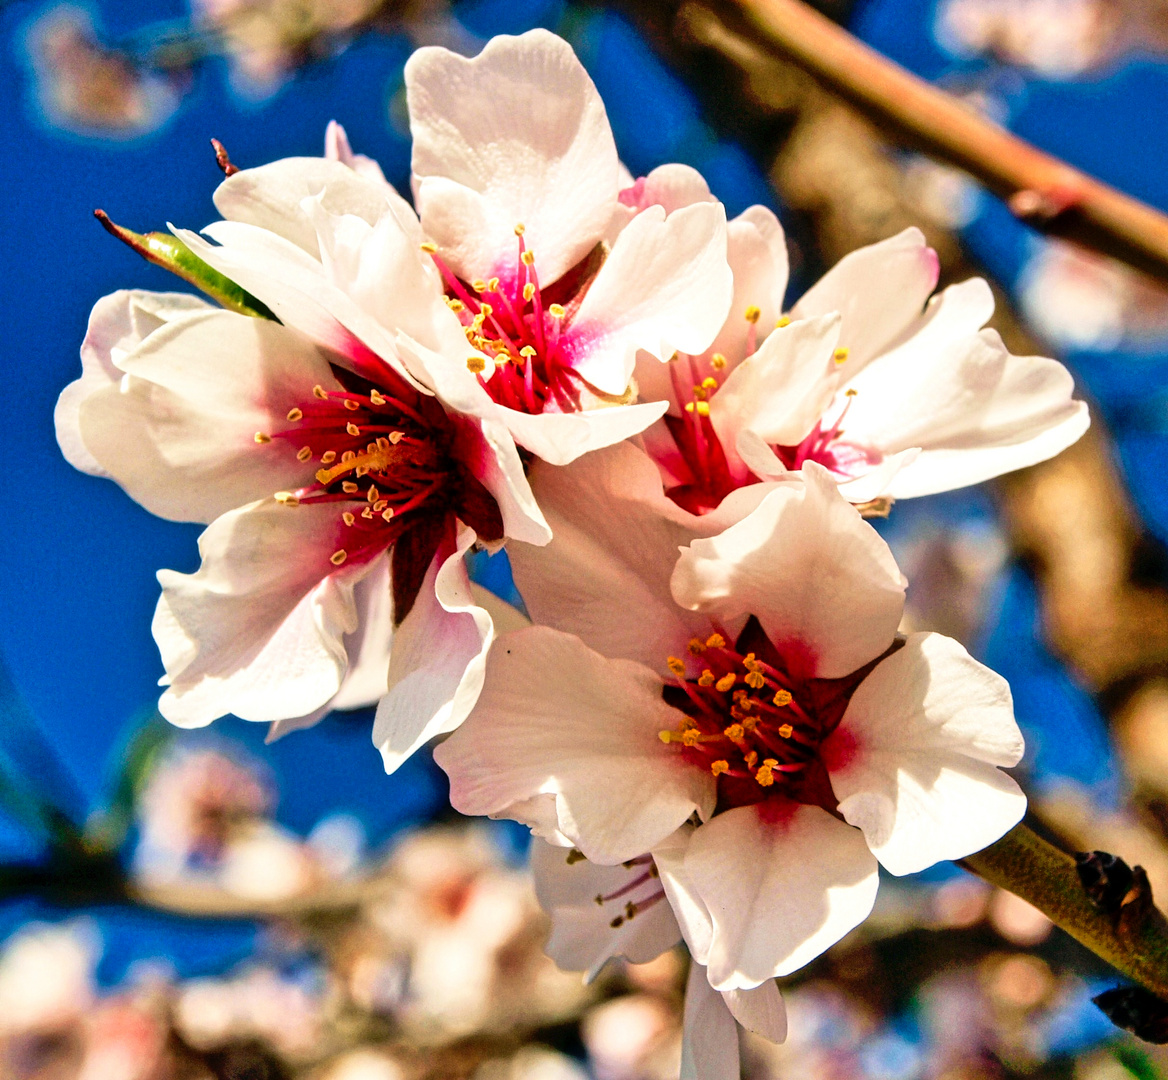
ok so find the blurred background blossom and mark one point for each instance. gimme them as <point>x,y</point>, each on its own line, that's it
<point>178,906</point>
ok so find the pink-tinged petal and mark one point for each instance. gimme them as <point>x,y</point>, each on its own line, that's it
<point>780,392</point>
<point>367,647</point>
<point>759,1010</point>
<point>669,186</point>
<point>818,577</point>
<point>554,717</point>
<point>539,814</point>
<point>756,250</point>
<point>975,410</point>
<point>665,287</point>
<point>709,1041</point>
<point>783,882</point>
<point>337,148</point>
<point>259,629</point>
<point>915,760</point>
<point>179,432</point>
<point>439,657</point>
<point>118,324</point>
<point>269,197</point>
<point>517,134</point>
<point>560,438</point>
<point>689,909</point>
<point>583,937</point>
<point>879,290</point>
<point>880,479</point>
<point>615,534</point>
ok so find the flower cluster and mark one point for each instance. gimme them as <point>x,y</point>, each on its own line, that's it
<point>714,724</point>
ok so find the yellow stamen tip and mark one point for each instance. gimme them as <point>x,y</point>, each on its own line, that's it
<point>755,680</point>
<point>349,488</point>
<point>428,247</point>
<point>286,498</point>
<point>719,767</point>
<point>841,354</point>
<point>456,306</point>
<point>528,291</point>
<point>376,397</point>
<point>665,736</point>
<point>706,678</point>
<point>352,405</point>
<point>520,228</point>
<point>786,731</point>
<point>527,350</point>
<point>784,320</point>
<point>348,518</point>
<point>718,361</point>
<point>851,391</point>
<point>528,258</point>
<point>715,641</point>
<point>726,681</point>
<point>709,383</point>
<point>676,665</point>
<point>782,697</point>
<point>752,314</point>
<point>262,438</point>
<point>691,737</point>
<point>353,429</point>
<point>475,364</point>
<point>556,311</point>
<point>338,557</point>
<point>702,408</point>
<point>734,732</point>
<point>327,458</point>
<point>689,406</point>
<point>319,392</point>
<point>295,414</point>
<point>479,285</point>
<point>304,453</point>
<point>696,646</point>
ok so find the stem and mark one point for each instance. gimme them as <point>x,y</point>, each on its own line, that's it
<point>1026,865</point>
<point>1039,189</point>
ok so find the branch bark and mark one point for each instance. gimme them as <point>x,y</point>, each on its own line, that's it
<point>1040,189</point>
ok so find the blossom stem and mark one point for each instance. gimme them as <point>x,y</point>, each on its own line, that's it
<point>1037,871</point>
<point>1040,189</point>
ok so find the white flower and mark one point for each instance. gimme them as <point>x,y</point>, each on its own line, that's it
<point>898,395</point>
<point>601,912</point>
<point>758,682</point>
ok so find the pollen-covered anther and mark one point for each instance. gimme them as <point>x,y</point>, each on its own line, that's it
<point>720,766</point>
<point>349,488</point>
<point>527,351</point>
<point>709,383</point>
<point>262,437</point>
<point>475,365</point>
<point>734,732</point>
<point>295,414</point>
<point>352,429</point>
<point>752,314</point>
<point>380,505</point>
<point>851,391</point>
<point>782,697</point>
<point>456,305</point>
<point>347,456</point>
<point>376,397</point>
<point>319,392</point>
<point>755,680</point>
<point>783,320</point>
<point>556,311</point>
<point>520,228</point>
<point>479,285</point>
<point>527,258</point>
<point>429,247</point>
<point>396,436</point>
<point>338,557</point>
<point>286,498</point>
<point>492,286</point>
<point>387,513</point>
<point>715,641</point>
<point>304,453</point>
<point>367,513</point>
<point>702,408</point>
<point>765,774</point>
<point>696,646</point>
<point>352,405</point>
<point>691,737</point>
<point>751,758</point>
<point>348,518</point>
<point>786,731</point>
<point>717,361</point>
<point>706,678</point>
<point>485,310</point>
<point>528,291</point>
<point>726,681</point>
<point>841,354</point>
<point>676,665</point>
<point>328,457</point>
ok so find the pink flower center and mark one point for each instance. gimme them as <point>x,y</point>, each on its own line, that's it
<point>526,328</point>
<point>388,457</point>
<point>753,721</point>
<point>701,460</point>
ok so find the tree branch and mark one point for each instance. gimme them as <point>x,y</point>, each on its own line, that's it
<point>1040,190</point>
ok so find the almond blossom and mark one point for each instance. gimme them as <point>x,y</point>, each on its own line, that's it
<point>896,394</point>
<point>755,685</point>
<point>601,912</point>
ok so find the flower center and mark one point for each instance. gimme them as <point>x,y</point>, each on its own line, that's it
<point>752,721</point>
<point>387,457</point>
<point>524,328</point>
<point>708,476</point>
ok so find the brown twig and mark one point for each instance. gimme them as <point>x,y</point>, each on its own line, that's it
<point>1041,190</point>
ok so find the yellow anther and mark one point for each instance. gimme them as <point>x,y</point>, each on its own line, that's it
<point>352,405</point>
<point>851,391</point>
<point>475,364</point>
<point>387,513</point>
<point>304,453</point>
<point>527,350</point>
<point>456,305</point>
<point>362,470</point>
<point>319,392</point>
<point>396,436</point>
<point>784,320</point>
<point>765,776</point>
<point>715,641</point>
<point>699,393</point>
<point>328,457</point>
<point>696,646</point>
<point>352,429</point>
<point>520,228</point>
<point>429,247</point>
<point>348,456</point>
<point>782,697</point>
<point>706,678</point>
<point>702,408</point>
<point>338,557</point>
<point>349,488</point>
<point>485,309</point>
<point>754,680</point>
<point>742,697</point>
<point>752,314</point>
<point>841,354</point>
<point>665,736</point>
<point>709,383</point>
<point>718,361</point>
<point>380,505</point>
<point>295,414</point>
<point>718,767</point>
<point>261,438</point>
<point>750,722</point>
<point>528,258</point>
<point>348,518</point>
<point>676,665</point>
<point>689,406</point>
<point>751,759</point>
<point>528,291</point>
<point>286,498</point>
<point>479,285</point>
<point>786,731</point>
<point>556,311</point>
<point>493,285</point>
<point>751,663</point>
<point>373,494</point>
<point>734,732</point>
<point>376,397</point>
<point>691,737</point>
<point>367,513</point>
<point>726,681</point>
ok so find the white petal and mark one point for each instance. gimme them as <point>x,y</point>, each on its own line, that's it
<point>516,134</point>
<point>781,391</point>
<point>439,656</point>
<point>669,186</point>
<point>556,717</point>
<point>689,909</point>
<point>615,534</point>
<point>665,287</point>
<point>880,478</point>
<point>583,937</point>
<point>915,759</point>
<point>975,410</point>
<point>709,1046</point>
<point>820,580</point>
<point>337,148</point>
<point>258,631</point>
<point>759,1010</point>
<point>269,197</point>
<point>560,438</point>
<point>879,290</point>
<point>783,882</point>
<point>117,325</point>
<point>368,649</point>
<point>178,433</point>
